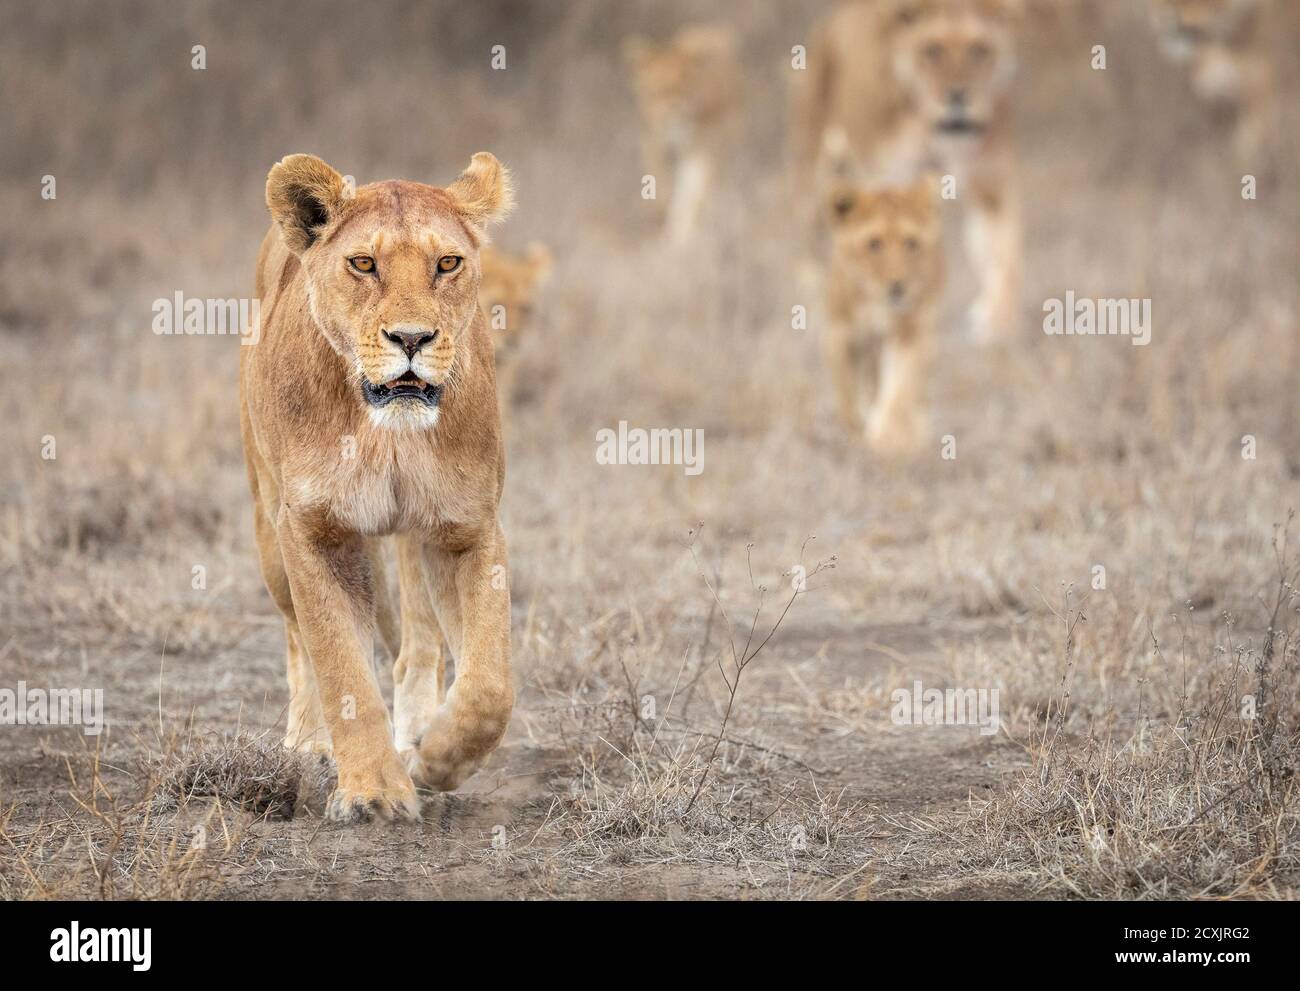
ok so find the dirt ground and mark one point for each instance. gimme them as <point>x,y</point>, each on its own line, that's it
<point>1125,765</point>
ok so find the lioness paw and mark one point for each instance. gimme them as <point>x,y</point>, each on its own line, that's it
<point>348,805</point>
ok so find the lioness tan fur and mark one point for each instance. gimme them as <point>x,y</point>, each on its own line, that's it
<point>886,279</point>
<point>368,408</point>
<point>913,85</point>
<point>1226,47</point>
<point>688,94</point>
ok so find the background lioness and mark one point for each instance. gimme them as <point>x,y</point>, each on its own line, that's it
<point>688,92</point>
<point>369,408</point>
<point>1225,45</point>
<point>924,84</point>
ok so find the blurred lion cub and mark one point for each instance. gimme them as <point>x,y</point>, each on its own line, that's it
<point>508,293</point>
<point>886,277</point>
<point>688,93</point>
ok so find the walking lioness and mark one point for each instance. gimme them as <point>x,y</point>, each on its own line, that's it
<point>369,408</point>
<point>688,93</point>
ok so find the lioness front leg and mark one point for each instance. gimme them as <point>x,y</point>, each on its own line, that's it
<point>472,597</point>
<point>329,575</point>
<point>993,243</point>
<point>690,188</point>
<point>418,685</point>
<point>897,422</point>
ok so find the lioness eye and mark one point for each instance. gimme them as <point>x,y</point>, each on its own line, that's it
<point>934,51</point>
<point>979,51</point>
<point>912,244</point>
<point>875,244</point>
<point>449,263</point>
<point>363,263</point>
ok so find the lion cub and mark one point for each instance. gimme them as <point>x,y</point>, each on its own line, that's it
<point>508,293</point>
<point>1225,46</point>
<point>688,94</point>
<point>886,277</point>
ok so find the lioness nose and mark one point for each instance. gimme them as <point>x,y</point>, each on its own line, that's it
<point>897,289</point>
<point>411,338</point>
<point>957,97</point>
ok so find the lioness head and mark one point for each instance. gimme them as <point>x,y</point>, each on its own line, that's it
<point>956,59</point>
<point>392,272</point>
<point>888,241</point>
<point>1182,26</point>
<point>681,80</point>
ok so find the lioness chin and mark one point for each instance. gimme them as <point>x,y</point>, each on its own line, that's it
<point>369,408</point>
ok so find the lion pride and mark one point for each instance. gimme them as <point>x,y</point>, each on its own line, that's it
<point>369,408</point>
<point>913,85</point>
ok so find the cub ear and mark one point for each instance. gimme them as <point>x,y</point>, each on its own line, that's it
<point>924,192</point>
<point>908,11</point>
<point>484,192</point>
<point>1006,10</point>
<point>842,202</point>
<point>304,195</point>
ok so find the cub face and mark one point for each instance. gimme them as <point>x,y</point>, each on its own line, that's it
<point>1183,26</point>
<point>392,273</point>
<point>512,283</point>
<point>956,60</point>
<point>887,248</point>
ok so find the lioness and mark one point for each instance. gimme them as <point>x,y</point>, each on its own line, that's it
<point>1225,45</point>
<point>886,278</point>
<point>924,84</point>
<point>368,408</point>
<point>687,91</point>
<point>508,293</point>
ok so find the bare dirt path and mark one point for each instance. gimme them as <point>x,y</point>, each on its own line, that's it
<point>812,727</point>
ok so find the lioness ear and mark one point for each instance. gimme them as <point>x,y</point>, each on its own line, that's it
<point>304,195</point>
<point>484,191</point>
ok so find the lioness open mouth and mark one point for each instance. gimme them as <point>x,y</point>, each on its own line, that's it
<point>407,386</point>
